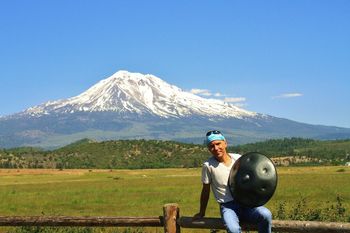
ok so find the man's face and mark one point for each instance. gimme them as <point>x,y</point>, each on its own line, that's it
<point>217,148</point>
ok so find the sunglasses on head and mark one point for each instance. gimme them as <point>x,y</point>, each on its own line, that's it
<point>213,132</point>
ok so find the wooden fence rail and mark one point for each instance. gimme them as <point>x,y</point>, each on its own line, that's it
<point>81,221</point>
<point>171,221</point>
<point>277,225</point>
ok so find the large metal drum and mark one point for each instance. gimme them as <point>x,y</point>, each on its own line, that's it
<point>253,179</point>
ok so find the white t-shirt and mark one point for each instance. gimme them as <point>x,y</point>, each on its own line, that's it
<point>216,174</point>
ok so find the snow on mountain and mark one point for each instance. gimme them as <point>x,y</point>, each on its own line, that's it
<point>126,105</point>
<point>126,92</point>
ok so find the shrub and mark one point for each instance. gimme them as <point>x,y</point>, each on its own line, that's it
<point>335,212</point>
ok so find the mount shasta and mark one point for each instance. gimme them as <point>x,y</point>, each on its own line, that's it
<point>136,106</point>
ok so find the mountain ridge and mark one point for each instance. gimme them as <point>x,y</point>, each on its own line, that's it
<point>136,106</point>
<point>135,93</point>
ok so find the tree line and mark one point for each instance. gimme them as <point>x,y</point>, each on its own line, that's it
<point>138,154</point>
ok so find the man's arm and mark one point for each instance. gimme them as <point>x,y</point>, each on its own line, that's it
<point>203,201</point>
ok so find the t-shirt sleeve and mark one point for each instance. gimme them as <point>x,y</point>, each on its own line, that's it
<point>236,156</point>
<point>206,176</point>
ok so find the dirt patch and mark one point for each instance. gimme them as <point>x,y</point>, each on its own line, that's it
<point>5,172</point>
<point>290,160</point>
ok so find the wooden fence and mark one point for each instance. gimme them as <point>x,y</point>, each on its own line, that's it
<point>170,221</point>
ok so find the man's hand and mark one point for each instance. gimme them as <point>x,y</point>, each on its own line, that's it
<point>197,216</point>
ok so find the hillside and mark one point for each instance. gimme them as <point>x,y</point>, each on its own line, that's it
<point>87,153</point>
<point>298,147</point>
<point>134,154</point>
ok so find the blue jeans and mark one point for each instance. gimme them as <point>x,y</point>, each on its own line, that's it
<point>232,213</point>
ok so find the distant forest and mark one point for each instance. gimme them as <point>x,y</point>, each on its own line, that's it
<point>138,154</point>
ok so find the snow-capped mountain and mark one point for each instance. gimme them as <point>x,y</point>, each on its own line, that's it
<point>136,106</point>
<point>126,92</point>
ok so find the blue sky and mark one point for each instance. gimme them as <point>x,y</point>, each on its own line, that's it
<point>288,59</point>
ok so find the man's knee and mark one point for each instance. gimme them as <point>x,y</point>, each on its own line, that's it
<point>266,215</point>
<point>263,215</point>
<point>265,220</point>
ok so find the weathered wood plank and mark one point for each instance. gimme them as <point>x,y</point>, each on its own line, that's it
<point>81,221</point>
<point>277,225</point>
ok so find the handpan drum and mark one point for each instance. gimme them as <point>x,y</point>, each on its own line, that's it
<point>253,179</point>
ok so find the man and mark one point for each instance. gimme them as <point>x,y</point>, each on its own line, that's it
<point>215,174</point>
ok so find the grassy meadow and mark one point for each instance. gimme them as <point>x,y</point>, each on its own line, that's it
<point>144,192</point>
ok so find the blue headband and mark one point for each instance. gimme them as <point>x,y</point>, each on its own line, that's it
<point>214,137</point>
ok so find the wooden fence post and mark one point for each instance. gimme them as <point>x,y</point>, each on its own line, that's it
<point>171,213</point>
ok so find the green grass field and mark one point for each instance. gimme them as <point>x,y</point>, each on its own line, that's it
<point>144,192</point>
